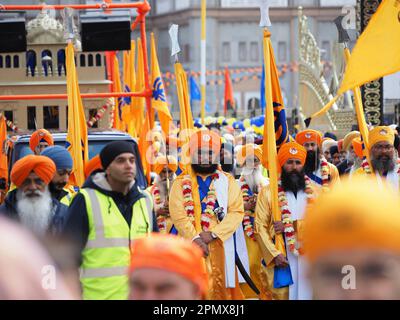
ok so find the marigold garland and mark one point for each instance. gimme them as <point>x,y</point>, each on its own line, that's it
<point>161,220</point>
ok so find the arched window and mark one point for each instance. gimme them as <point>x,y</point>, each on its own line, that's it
<point>90,60</point>
<point>47,62</point>
<point>61,62</point>
<point>8,62</point>
<point>1,62</point>
<point>83,60</point>
<point>98,60</point>
<point>31,63</point>
<point>16,61</point>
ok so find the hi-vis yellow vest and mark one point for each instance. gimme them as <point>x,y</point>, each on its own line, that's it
<point>106,257</point>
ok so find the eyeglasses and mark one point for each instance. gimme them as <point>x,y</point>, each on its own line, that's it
<point>381,147</point>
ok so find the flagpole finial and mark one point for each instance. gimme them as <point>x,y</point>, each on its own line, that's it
<point>343,34</point>
<point>173,34</point>
<point>264,10</point>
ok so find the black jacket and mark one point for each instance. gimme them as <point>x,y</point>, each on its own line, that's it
<point>77,225</point>
<point>9,209</point>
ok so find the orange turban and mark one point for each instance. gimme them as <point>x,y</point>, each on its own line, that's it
<point>247,151</point>
<point>357,214</point>
<point>92,165</point>
<point>205,139</point>
<point>43,166</point>
<point>173,254</point>
<point>309,135</point>
<point>161,163</point>
<point>291,150</point>
<point>379,134</point>
<point>357,146</point>
<point>39,135</point>
<point>349,138</point>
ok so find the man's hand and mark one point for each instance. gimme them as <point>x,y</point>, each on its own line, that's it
<point>206,237</point>
<point>203,246</point>
<point>279,227</point>
<point>281,261</point>
<point>163,211</point>
<point>250,205</point>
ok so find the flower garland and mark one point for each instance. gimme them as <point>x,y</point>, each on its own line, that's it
<point>210,201</point>
<point>161,220</point>
<point>247,225</point>
<point>365,165</point>
<point>289,231</point>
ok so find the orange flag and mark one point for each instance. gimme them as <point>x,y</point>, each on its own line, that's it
<point>229,101</point>
<point>3,155</point>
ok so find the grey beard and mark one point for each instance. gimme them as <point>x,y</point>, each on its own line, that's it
<point>382,165</point>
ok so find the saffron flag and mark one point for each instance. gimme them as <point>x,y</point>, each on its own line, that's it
<point>275,129</point>
<point>159,98</point>
<point>229,100</point>
<point>77,136</point>
<point>129,86</point>
<point>377,51</point>
<point>3,154</point>
<point>137,106</point>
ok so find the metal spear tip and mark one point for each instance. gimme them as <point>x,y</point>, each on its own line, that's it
<point>343,34</point>
<point>173,34</point>
<point>264,10</point>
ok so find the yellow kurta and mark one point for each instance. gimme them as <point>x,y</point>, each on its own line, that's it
<point>223,230</point>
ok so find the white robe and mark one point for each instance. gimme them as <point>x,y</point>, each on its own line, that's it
<point>392,178</point>
<point>300,289</point>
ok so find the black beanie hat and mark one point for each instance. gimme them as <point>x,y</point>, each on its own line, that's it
<point>113,150</point>
<point>333,150</point>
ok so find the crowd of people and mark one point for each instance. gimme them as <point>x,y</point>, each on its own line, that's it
<point>206,227</point>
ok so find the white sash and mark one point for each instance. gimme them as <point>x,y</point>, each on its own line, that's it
<point>392,178</point>
<point>221,189</point>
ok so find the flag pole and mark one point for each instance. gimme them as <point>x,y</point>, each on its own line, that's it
<point>270,154</point>
<point>203,59</point>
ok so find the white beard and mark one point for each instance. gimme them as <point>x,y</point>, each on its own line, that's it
<point>35,213</point>
<point>254,178</point>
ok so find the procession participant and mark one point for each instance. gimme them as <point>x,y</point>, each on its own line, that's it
<point>351,240</point>
<point>346,164</point>
<point>317,168</point>
<point>296,191</point>
<point>40,140</point>
<point>165,267</point>
<point>206,206</point>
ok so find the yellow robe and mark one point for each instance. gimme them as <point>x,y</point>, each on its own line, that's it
<point>215,262</point>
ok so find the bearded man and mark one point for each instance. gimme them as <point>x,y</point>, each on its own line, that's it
<point>384,158</point>
<point>295,192</point>
<point>251,182</point>
<point>317,168</point>
<point>206,207</point>
<point>165,168</point>
<point>31,202</point>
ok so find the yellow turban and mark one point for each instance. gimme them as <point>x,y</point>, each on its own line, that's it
<point>161,163</point>
<point>357,214</point>
<point>43,166</point>
<point>205,139</point>
<point>291,150</point>
<point>39,135</point>
<point>309,135</point>
<point>348,138</point>
<point>379,134</point>
<point>247,151</point>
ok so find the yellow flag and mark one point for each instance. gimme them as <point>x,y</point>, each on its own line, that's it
<point>159,99</point>
<point>137,107</point>
<point>77,136</point>
<point>377,51</point>
<point>269,144</point>
<point>129,86</point>
<point>3,154</point>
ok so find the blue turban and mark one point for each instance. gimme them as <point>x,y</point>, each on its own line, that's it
<point>60,156</point>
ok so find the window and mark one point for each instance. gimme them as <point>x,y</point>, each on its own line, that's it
<point>83,60</point>
<point>16,61</point>
<point>61,62</point>
<point>242,51</point>
<point>51,117</point>
<point>47,62</point>
<point>98,60</point>
<point>9,114</point>
<point>326,50</point>
<point>254,52</point>
<point>31,63</point>
<point>226,52</point>
<point>8,62</point>
<point>282,49</point>
<point>90,60</point>
<point>1,61</point>
<point>31,115</point>
<point>92,113</point>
